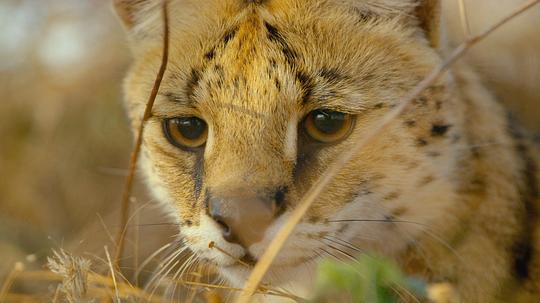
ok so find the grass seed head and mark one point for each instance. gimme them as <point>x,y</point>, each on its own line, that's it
<point>74,272</point>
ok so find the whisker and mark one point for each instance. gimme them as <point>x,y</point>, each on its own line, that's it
<point>199,269</point>
<point>151,257</point>
<point>158,283</point>
<point>425,228</point>
<point>407,292</point>
<point>378,221</point>
<point>186,266</point>
<point>344,243</point>
<point>183,269</point>
<point>152,224</point>
<point>332,255</point>
<point>346,254</point>
<point>164,267</point>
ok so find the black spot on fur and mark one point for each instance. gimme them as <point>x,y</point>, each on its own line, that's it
<point>439,130</point>
<point>229,36</point>
<point>279,199</point>
<point>420,142</point>
<point>392,196</point>
<point>475,152</point>
<point>529,193</point>
<point>290,55</point>
<point>378,106</point>
<point>306,85</point>
<point>257,2</point>
<point>331,75</point>
<point>275,36</point>
<point>314,219</point>
<point>433,154</point>
<point>218,68</point>
<point>278,84</point>
<point>273,33</point>
<point>192,83</point>
<point>426,180</point>
<point>363,15</point>
<point>410,123</point>
<point>421,101</point>
<point>207,197</point>
<point>522,257</point>
<point>210,54</point>
<point>280,194</point>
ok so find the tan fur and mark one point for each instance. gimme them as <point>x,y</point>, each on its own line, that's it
<point>450,164</point>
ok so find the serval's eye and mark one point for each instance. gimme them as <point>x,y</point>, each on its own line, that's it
<point>328,126</point>
<point>190,132</point>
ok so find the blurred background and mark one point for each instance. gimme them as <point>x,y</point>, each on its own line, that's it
<point>64,138</point>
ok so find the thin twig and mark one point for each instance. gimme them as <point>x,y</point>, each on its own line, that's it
<point>136,246</point>
<point>56,297</point>
<point>261,291</point>
<point>213,245</point>
<point>464,19</point>
<point>6,286</point>
<point>137,148</point>
<point>97,283</point>
<point>279,240</point>
<point>113,276</point>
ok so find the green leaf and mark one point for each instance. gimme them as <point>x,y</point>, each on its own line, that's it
<point>369,279</point>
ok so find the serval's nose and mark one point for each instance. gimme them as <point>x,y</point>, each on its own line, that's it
<point>244,215</point>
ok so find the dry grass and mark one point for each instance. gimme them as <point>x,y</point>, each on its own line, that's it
<point>71,279</point>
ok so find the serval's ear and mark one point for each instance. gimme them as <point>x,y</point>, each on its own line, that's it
<point>129,11</point>
<point>428,14</point>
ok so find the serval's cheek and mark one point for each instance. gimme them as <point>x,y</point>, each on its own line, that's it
<point>158,188</point>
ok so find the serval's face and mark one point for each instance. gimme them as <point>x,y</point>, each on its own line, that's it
<point>260,99</point>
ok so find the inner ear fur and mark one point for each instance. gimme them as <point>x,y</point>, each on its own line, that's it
<point>127,10</point>
<point>428,14</point>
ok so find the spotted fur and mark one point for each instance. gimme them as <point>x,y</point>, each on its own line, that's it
<point>449,190</point>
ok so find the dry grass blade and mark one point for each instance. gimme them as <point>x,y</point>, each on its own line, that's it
<point>213,245</point>
<point>464,19</point>
<point>113,276</point>
<point>98,286</point>
<point>269,292</point>
<point>279,240</point>
<point>137,148</point>
<point>10,278</point>
<point>74,272</point>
